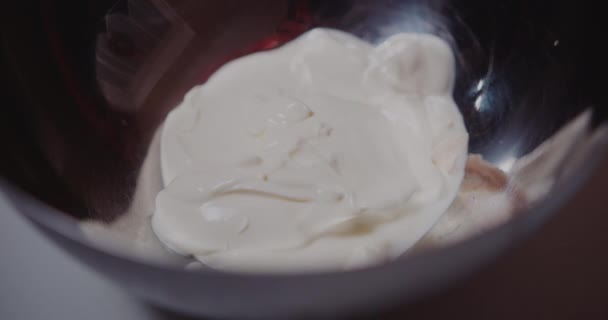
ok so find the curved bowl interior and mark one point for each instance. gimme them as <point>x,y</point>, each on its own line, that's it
<point>89,83</point>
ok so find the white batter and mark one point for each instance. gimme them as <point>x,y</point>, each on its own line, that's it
<point>326,153</point>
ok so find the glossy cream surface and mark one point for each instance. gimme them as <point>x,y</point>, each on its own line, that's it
<point>326,153</point>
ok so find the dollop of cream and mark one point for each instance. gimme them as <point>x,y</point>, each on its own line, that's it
<point>327,153</point>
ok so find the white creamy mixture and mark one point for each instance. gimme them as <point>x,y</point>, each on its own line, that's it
<point>326,153</point>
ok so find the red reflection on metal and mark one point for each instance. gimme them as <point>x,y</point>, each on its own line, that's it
<point>297,22</point>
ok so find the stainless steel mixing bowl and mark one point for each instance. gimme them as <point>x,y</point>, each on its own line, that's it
<point>86,83</point>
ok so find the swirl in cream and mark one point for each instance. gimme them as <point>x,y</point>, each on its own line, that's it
<point>327,153</point>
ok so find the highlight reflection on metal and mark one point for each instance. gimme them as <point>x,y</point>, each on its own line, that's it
<point>506,163</point>
<point>130,57</point>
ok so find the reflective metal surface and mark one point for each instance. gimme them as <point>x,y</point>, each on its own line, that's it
<point>88,83</point>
